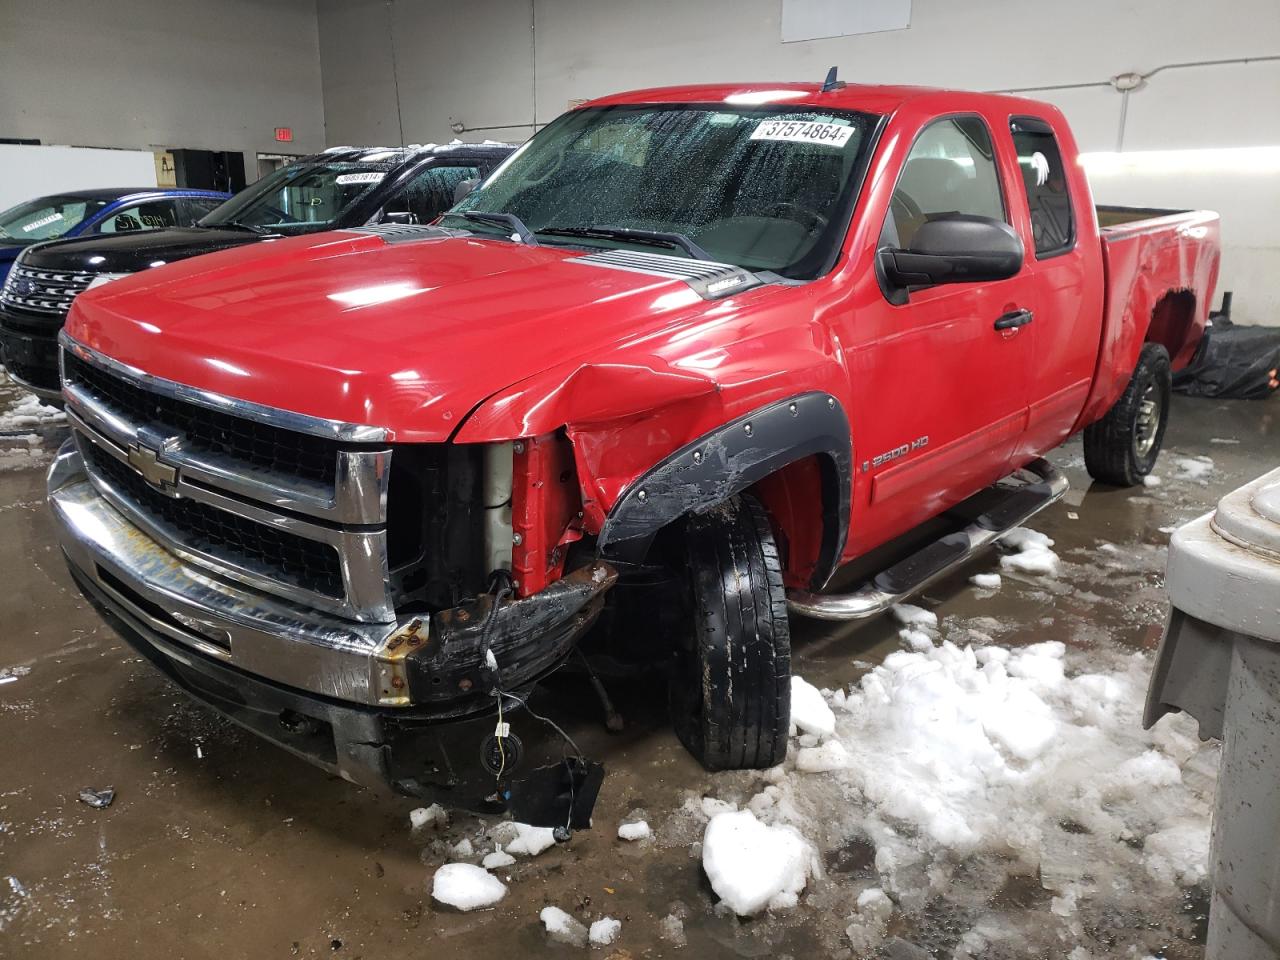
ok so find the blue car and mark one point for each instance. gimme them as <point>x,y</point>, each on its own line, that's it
<point>84,213</point>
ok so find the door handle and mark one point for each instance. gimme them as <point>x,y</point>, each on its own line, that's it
<point>1014,319</point>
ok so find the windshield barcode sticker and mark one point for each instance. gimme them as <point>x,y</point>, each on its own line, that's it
<point>803,131</point>
<point>344,178</point>
<point>42,222</point>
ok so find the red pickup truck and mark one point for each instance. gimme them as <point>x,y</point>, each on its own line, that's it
<point>679,359</point>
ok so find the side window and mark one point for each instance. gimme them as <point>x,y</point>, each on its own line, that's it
<point>1044,176</point>
<point>192,209</point>
<point>430,192</point>
<point>152,215</point>
<point>951,169</point>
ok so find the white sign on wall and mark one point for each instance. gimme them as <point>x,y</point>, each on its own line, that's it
<point>816,19</point>
<point>29,172</point>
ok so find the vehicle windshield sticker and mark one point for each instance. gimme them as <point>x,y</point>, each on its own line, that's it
<point>373,177</point>
<point>42,222</point>
<point>803,131</point>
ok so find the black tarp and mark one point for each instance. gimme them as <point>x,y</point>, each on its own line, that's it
<point>1234,360</point>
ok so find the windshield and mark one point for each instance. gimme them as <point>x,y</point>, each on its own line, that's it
<point>765,188</point>
<point>46,218</point>
<point>305,197</point>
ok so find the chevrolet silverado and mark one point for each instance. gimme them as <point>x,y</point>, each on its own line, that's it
<point>705,345</point>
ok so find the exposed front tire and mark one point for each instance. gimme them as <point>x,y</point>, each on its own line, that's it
<point>1122,447</point>
<point>731,680</point>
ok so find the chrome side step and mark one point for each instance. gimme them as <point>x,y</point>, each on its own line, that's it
<point>1045,486</point>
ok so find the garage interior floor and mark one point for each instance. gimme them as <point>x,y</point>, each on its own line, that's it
<point>218,845</point>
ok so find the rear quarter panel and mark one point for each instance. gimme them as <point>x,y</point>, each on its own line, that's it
<point>1160,278</point>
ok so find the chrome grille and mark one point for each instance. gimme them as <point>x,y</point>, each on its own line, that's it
<point>43,291</point>
<point>292,505</point>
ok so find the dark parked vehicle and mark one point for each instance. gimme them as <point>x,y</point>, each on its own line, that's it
<point>87,213</point>
<point>342,187</point>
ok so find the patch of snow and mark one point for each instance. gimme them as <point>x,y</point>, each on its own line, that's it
<point>531,841</point>
<point>987,581</point>
<point>710,806</point>
<point>830,756</point>
<point>909,615</point>
<point>916,639</point>
<point>1194,468</point>
<point>1032,552</point>
<point>563,928</point>
<point>1226,440</point>
<point>463,848</point>
<point>1179,852</point>
<point>499,858</point>
<point>29,413</point>
<point>809,711</point>
<point>638,830</point>
<point>671,929</point>
<point>434,815</point>
<point>871,921</point>
<point>1151,480</point>
<point>466,886</point>
<point>752,866</point>
<point>604,931</point>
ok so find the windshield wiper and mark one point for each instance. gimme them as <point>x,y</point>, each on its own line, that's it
<point>508,220</point>
<point>660,238</point>
<point>234,225</point>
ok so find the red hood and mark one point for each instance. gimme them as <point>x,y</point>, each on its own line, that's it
<point>410,336</point>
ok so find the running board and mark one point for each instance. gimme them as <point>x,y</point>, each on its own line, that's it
<point>917,571</point>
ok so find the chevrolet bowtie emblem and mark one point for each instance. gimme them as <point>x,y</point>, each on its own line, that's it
<point>148,463</point>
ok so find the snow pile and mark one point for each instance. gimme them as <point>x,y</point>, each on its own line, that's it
<point>639,830</point>
<point>986,581</point>
<point>753,867</point>
<point>1033,554</point>
<point>871,920</point>
<point>563,928</point>
<point>809,712</point>
<point>604,931</point>
<point>466,887</point>
<point>961,752</point>
<point>1151,480</point>
<point>1194,468</point>
<point>28,414</point>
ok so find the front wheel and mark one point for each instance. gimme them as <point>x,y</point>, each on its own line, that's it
<point>1122,447</point>
<point>731,680</point>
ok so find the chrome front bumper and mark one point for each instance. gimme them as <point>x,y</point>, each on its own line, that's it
<point>188,609</point>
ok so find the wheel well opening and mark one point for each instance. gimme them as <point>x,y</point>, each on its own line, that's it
<point>796,498</point>
<point>1172,320</point>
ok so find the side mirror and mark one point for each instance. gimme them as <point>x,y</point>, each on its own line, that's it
<point>954,248</point>
<point>399,216</point>
<point>464,188</point>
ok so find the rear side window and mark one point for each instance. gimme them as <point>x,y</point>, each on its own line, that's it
<point>951,169</point>
<point>430,192</point>
<point>151,215</point>
<point>1053,224</point>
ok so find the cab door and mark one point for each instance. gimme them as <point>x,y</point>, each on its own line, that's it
<point>1068,306</point>
<point>940,380</point>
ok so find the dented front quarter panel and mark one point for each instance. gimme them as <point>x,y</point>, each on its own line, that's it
<point>713,362</point>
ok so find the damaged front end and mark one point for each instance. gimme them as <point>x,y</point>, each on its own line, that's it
<point>399,694</point>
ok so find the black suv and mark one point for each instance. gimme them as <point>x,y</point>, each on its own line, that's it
<point>342,187</point>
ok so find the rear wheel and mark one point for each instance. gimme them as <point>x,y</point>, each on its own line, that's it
<point>731,680</point>
<point>1122,447</point>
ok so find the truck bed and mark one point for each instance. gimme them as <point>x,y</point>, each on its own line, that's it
<point>1160,268</point>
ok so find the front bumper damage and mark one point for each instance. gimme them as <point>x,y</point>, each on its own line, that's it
<point>406,705</point>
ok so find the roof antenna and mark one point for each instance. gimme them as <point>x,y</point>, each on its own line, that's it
<point>831,83</point>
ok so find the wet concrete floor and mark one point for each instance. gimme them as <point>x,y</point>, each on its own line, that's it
<point>219,845</point>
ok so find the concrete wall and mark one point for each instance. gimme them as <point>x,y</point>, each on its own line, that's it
<point>162,73</point>
<point>490,63</point>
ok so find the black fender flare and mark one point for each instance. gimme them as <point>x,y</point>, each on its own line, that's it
<point>732,457</point>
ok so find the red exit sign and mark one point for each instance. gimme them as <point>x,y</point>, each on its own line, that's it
<point>284,134</point>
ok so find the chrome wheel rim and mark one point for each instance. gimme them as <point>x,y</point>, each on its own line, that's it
<point>1148,425</point>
